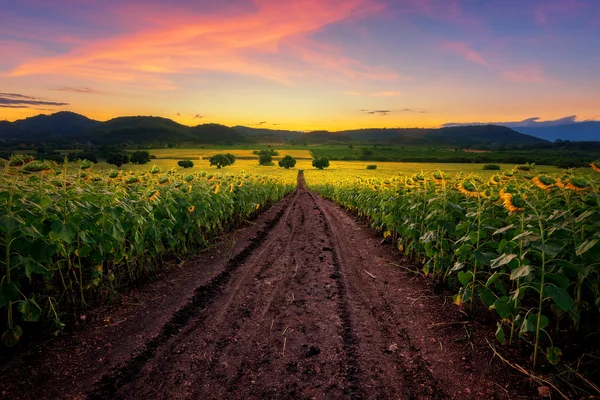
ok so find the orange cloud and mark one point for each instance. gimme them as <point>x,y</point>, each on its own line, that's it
<point>245,42</point>
<point>465,51</point>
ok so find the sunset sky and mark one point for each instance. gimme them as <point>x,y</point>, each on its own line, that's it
<point>305,64</point>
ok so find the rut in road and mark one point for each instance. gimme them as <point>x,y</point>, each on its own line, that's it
<point>295,317</point>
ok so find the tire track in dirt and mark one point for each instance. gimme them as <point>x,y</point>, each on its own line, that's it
<point>110,383</point>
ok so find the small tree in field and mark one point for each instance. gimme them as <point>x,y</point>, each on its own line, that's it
<point>320,163</point>
<point>140,157</point>
<point>287,162</point>
<point>230,157</point>
<point>221,160</point>
<point>265,159</point>
<point>117,159</point>
<point>185,163</point>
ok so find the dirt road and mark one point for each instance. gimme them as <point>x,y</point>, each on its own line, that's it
<point>312,306</point>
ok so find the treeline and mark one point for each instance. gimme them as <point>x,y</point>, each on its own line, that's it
<point>109,154</point>
<point>559,157</point>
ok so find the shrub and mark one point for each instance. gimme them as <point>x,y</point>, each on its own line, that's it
<point>221,160</point>
<point>287,162</point>
<point>525,167</point>
<point>491,167</point>
<point>320,163</point>
<point>265,159</point>
<point>372,166</point>
<point>117,159</point>
<point>140,157</point>
<point>185,163</point>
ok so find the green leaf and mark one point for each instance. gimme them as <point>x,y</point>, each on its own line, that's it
<point>487,297</point>
<point>11,336</point>
<point>483,258</point>
<point>8,293</point>
<point>553,355</point>
<point>29,230</point>
<point>30,267</point>
<point>520,272</point>
<point>551,247</point>
<point>503,307</point>
<point>465,277</point>
<point>30,309</point>
<point>528,325</point>
<point>502,260</point>
<point>560,297</point>
<point>524,235</point>
<point>9,223</point>
<point>585,246</point>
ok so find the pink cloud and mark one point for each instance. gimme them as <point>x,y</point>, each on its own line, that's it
<point>464,50</point>
<point>525,74</point>
<point>236,41</point>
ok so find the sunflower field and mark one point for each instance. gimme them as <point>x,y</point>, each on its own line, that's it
<point>522,244</point>
<point>71,237</point>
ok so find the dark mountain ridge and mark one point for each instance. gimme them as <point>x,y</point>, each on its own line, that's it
<point>68,127</point>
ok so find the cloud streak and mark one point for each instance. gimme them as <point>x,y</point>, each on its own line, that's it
<point>15,100</point>
<point>75,89</point>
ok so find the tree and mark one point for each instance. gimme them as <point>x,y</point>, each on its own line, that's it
<point>287,162</point>
<point>320,163</point>
<point>185,163</point>
<point>140,157</point>
<point>265,159</point>
<point>221,160</point>
<point>230,157</point>
<point>117,159</point>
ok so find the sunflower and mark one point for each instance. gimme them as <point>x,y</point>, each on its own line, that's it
<point>257,206</point>
<point>154,196</point>
<point>512,203</point>
<point>217,187</point>
<point>191,209</point>
<point>494,180</point>
<point>468,189</point>
<point>577,185</point>
<point>543,182</point>
<point>595,166</point>
<point>231,188</point>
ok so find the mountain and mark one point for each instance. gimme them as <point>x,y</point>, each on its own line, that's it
<point>138,129</point>
<point>67,127</point>
<point>268,135</point>
<point>575,132</point>
<point>64,124</point>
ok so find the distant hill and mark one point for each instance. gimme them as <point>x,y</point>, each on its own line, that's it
<point>268,135</point>
<point>462,136</point>
<point>64,124</point>
<point>580,131</point>
<point>67,127</point>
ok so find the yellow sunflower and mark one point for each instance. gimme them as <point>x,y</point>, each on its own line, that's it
<point>191,209</point>
<point>154,196</point>
<point>217,187</point>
